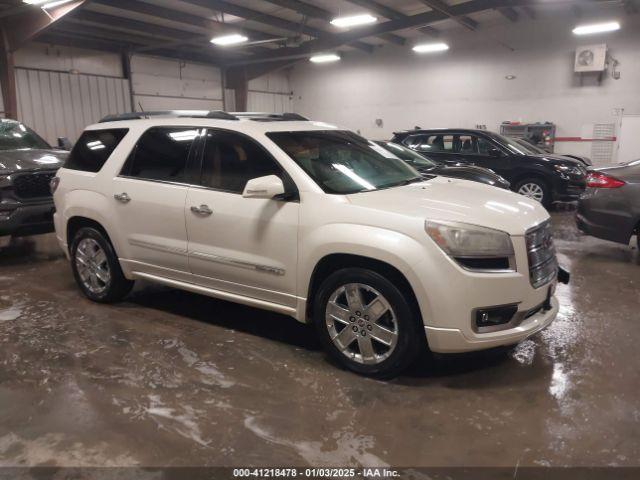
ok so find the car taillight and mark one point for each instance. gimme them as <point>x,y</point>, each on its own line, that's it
<point>602,180</point>
<point>53,184</point>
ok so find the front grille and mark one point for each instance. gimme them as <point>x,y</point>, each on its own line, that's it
<point>543,265</point>
<point>33,185</point>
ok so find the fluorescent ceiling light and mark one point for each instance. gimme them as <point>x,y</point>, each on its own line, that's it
<point>329,57</point>
<point>46,3</point>
<point>431,47</point>
<point>353,20</point>
<point>226,40</point>
<point>596,28</point>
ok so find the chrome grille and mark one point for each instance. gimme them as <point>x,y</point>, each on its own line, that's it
<point>543,265</point>
<point>33,185</point>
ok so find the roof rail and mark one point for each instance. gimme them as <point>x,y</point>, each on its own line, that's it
<point>271,117</point>
<point>212,114</point>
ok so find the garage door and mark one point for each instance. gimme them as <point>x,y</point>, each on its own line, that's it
<point>58,104</point>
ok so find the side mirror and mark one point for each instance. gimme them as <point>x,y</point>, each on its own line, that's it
<point>64,143</point>
<point>264,187</point>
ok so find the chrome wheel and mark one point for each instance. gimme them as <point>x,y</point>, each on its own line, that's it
<point>361,323</point>
<point>92,265</point>
<point>532,190</point>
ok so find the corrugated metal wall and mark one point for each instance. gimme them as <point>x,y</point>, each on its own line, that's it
<point>270,93</point>
<point>164,84</point>
<point>59,104</point>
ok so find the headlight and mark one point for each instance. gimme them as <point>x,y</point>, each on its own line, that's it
<point>472,246</point>
<point>565,170</point>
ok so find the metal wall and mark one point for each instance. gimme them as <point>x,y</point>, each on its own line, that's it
<point>270,93</point>
<point>58,104</point>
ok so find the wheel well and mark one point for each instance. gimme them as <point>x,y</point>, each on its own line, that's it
<point>338,261</point>
<point>531,175</point>
<point>76,223</point>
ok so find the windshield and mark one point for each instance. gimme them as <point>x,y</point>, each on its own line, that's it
<point>530,147</point>
<point>408,155</point>
<point>14,136</point>
<point>510,143</point>
<point>342,162</point>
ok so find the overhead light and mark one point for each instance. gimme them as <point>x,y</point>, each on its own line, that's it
<point>46,3</point>
<point>431,47</point>
<point>596,28</point>
<point>353,20</point>
<point>227,40</point>
<point>325,58</point>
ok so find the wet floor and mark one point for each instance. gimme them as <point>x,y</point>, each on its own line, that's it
<point>170,378</point>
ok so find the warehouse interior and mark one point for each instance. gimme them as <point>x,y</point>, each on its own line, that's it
<point>168,378</point>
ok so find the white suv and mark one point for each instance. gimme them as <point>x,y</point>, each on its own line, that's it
<point>311,221</point>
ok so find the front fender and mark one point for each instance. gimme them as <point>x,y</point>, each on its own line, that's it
<point>396,249</point>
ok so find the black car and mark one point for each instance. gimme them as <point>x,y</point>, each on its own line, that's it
<point>539,151</point>
<point>27,165</point>
<point>546,178</point>
<point>427,166</point>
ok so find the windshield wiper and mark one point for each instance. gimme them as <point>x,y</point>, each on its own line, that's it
<point>402,183</point>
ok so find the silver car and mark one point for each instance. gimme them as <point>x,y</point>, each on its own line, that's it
<point>610,206</point>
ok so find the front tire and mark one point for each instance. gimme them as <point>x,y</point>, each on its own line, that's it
<point>96,267</point>
<point>366,323</point>
<point>535,189</point>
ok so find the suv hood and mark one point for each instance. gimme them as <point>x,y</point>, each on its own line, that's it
<point>457,200</point>
<point>31,159</point>
<point>559,160</point>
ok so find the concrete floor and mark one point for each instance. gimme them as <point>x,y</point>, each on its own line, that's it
<point>173,378</point>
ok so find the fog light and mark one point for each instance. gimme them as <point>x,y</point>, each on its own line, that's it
<point>492,316</point>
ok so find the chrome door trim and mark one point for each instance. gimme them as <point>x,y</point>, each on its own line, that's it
<point>238,263</point>
<point>158,247</point>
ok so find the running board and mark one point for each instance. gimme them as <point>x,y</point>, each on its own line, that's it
<point>221,294</point>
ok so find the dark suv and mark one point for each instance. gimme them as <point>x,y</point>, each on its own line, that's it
<point>27,165</point>
<point>546,178</point>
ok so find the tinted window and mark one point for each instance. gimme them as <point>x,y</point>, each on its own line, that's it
<point>161,154</point>
<point>343,162</point>
<point>93,148</point>
<point>231,160</point>
<point>14,135</point>
<point>442,143</point>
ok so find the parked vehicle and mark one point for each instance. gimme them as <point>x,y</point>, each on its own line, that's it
<point>426,166</point>
<point>544,178</point>
<point>310,221</point>
<point>27,165</point>
<point>610,208</point>
<point>536,150</point>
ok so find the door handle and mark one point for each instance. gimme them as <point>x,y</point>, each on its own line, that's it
<point>202,210</point>
<point>122,197</point>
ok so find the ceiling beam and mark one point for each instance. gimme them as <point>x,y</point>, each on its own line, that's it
<point>20,29</point>
<point>442,7</point>
<point>379,9</point>
<point>312,11</point>
<point>509,13</point>
<point>267,19</point>
<point>211,26</point>
<point>413,21</point>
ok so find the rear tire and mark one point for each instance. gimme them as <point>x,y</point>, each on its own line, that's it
<point>96,267</point>
<point>366,323</point>
<point>535,189</point>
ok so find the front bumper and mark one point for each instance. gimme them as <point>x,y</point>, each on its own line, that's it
<point>452,340</point>
<point>27,220</point>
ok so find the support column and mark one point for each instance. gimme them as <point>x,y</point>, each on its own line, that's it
<point>8,79</point>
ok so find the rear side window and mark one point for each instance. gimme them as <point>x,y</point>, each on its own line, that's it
<point>161,154</point>
<point>93,148</point>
